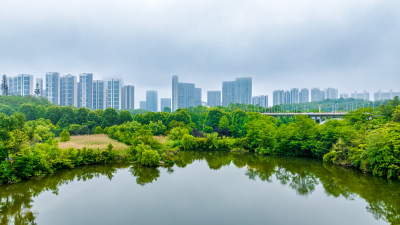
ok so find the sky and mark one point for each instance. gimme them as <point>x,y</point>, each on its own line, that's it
<point>352,45</point>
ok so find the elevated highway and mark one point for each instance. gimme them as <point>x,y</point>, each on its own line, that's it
<point>318,117</point>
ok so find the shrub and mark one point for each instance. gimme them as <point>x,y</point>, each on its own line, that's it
<point>208,129</point>
<point>157,128</point>
<point>64,136</point>
<point>98,130</point>
<point>150,158</point>
<point>177,133</point>
<point>189,142</point>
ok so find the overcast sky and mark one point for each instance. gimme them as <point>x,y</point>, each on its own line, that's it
<point>348,44</point>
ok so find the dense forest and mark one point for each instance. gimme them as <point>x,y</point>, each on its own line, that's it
<point>367,138</point>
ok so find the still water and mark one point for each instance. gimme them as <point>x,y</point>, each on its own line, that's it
<point>205,188</point>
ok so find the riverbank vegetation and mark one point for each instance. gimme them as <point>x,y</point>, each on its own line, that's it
<point>367,139</point>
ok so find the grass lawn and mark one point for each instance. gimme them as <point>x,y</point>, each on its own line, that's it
<point>95,141</point>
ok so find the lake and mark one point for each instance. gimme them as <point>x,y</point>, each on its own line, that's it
<point>205,188</point>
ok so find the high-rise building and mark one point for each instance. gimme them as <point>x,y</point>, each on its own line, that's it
<point>317,95</point>
<point>331,93</point>
<point>85,91</point>
<point>114,89</point>
<point>184,94</point>
<point>152,101</point>
<point>142,105</point>
<point>68,90</point>
<point>238,91</point>
<point>21,85</point>
<point>165,103</point>
<point>243,90</point>
<point>128,97</point>
<point>197,96</point>
<point>228,92</point>
<point>363,96</point>
<point>99,95</point>
<point>288,97</point>
<point>39,86</point>
<point>261,100</point>
<point>52,87</point>
<point>304,95</point>
<point>213,98</point>
<point>278,97</point>
<point>294,95</point>
<point>344,96</point>
<point>175,93</point>
<point>380,96</point>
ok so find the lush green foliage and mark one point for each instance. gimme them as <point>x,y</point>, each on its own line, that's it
<point>65,136</point>
<point>98,130</point>
<point>28,149</point>
<point>367,138</point>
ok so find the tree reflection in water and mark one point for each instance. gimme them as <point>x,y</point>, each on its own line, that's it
<point>16,200</point>
<point>145,175</point>
<point>302,175</point>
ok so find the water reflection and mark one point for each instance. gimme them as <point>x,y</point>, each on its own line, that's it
<point>145,175</point>
<point>301,175</point>
<point>16,200</point>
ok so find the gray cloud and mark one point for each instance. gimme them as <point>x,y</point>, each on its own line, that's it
<point>352,45</point>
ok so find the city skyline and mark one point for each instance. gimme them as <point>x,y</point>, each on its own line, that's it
<point>350,45</point>
<point>71,91</point>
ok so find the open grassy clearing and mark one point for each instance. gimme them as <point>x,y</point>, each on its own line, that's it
<point>97,141</point>
<point>161,139</point>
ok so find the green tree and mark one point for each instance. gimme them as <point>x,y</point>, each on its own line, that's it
<point>28,110</point>
<point>64,136</point>
<point>125,116</point>
<point>40,112</point>
<point>54,114</point>
<point>150,158</point>
<point>177,133</point>
<point>223,122</point>
<point>4,85</point>
<point>261,135</point>
<point>67,117</point>
<point>148,117</point>
<point>208,129</point>
<point>181,115</point>
<point>188,142</point>
<point>298,138</point>
<point>213,117</point>
<point>157,128</point>
<point>198,115</point>
<point>99,112</point>
<point>387,110</point>
<point>6,109</point>
<point>95,117</point>
<point>239,119</point>
<point>98,130</point>
<point>81,115</point>
<point>360,116</point>
<point>382,151</point>
<point>109,118</point>
<point>396,114</point>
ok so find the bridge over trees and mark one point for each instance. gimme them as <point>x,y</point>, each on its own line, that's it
<point>318,117</point>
